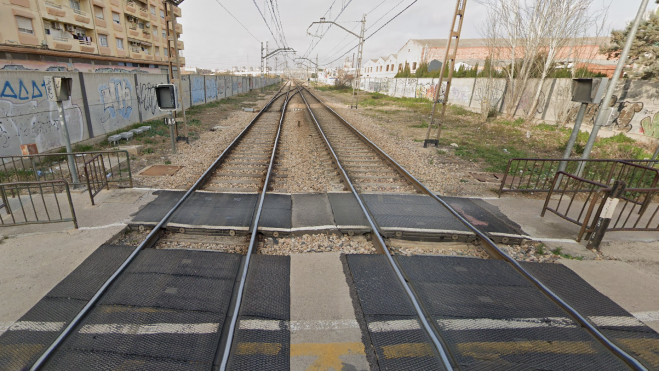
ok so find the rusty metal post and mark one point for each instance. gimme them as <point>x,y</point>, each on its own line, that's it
<point>178,66</point>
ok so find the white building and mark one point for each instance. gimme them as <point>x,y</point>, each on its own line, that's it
<point>381,67</point>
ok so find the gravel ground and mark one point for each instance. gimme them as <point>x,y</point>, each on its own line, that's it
<point>472,251</point>
<point>332,127</point>
<point>237,249</point>
<point>132,238</point>
<point>316,243</point>
<point>197,156</point>
<point>303,155</point>
<point>440,173</point>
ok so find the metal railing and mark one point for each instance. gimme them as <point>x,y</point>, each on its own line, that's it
<point>54,166</point>
<point>581,202</point>
<point>29,203</point>
<point>576,201</point>
<point>96,176</point>
<point>537,174</point>
<point>637,211</point>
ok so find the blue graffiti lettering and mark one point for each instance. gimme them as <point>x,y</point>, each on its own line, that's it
<point>116,99</point>
<point>4,91</point>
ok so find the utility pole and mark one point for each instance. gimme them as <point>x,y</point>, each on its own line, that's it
<point>605,110</point>
<point>316,82</point>
<point>174,38</point>
<point>262,87</point>
<point>266,59</point>
<point>360,50</point>
<point>451,46</point>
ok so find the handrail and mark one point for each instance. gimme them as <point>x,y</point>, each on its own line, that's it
<point>16,187</point>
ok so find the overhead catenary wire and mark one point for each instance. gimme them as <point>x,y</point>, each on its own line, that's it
<point>234,17</point>
<point>371,35</point>
<point>266,23</point>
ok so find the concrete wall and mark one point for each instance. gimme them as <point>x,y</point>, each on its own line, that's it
<point>635,110</point>
<point>101,103</point>
<point>26,116</point>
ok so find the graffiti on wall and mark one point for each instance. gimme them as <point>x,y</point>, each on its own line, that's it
<point>211,88</point>
<point>116,99</point>
<point>26,116</point>
<point>146,94</point>
<point>622,114</point>
<point>198,90</point>
<point>426,90</point>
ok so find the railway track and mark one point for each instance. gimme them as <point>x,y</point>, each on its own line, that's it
<point>336,131</point>
<point>249,165</point>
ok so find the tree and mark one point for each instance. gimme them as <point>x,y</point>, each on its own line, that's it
<point>643,60</point>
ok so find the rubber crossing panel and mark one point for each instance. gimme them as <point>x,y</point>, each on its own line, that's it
<point>262,340</point>
<point>399,341</point>
<point>627,332</point>
<point>493,319</point>
<point>166,311</point>
<point>23,343</point>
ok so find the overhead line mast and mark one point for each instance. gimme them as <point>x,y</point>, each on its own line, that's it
<point>452,43</point>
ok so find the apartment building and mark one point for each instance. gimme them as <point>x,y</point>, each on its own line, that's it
<point>88,35</point>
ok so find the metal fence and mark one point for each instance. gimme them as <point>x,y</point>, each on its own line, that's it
<point>54,166</point>
<point>96,176</point>
<point>581,202</point>
<point>36,203</point>
<point>537,174</point>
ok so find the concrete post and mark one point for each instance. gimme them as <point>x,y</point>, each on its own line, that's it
<point>604,107</point>
<point>70,158</point>
<point>573,136</point>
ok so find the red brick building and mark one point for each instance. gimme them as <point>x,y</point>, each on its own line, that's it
<point>583,51</point>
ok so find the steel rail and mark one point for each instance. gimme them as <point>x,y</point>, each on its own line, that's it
<point>252,243</point>
<point>383,246</point>
<point>149,241</point>
<point>497,253</point>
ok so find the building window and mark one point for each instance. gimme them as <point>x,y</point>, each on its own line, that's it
<point>120,44</point>
<point>156,51</point>
<point>24,25</point>
<point>98,12</point>
<point>116,18</point>
<point>153,9</point>
<point>162,14</point>
<point>103,40</point>
<point>387,68</point>
<point>155,31</point>
<point>164,34</point>
<point>140,24</point>
<point>75,4</point>
<point>400,67</point>
<point>414,66</point>
<point>165,52</point>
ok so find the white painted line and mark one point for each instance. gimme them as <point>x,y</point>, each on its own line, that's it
<point>397,325</point>
<point>152,329</point>
<point>647,316</point>
<point>31,326</point>
<point>511,235</point>
<point>202,226</point>
<point>617,321</point>
<point>260,324</point>
<point>313,228</point>
<point>324,325</point>
<point>103,226</point>
<point>436,231</point>
<point>275,325</point>
<point>499,324</point>
<point>563,240</point>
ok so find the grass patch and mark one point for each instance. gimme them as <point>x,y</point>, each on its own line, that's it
<point>148,150</point>
<point>559,252</point>
<point>494,156</point>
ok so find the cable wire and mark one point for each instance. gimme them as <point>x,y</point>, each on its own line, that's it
<point>234,17</point>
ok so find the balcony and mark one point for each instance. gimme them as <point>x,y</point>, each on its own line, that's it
<point>180,45</point>
<point>181,60</point>
<point>131,8</point>
<point>177,11</point>
<point>144,13</point>
<point>179,27</point>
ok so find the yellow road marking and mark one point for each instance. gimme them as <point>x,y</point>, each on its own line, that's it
<point>407,350</point>
<point>646,348</point>
<point>268,349</point>
<point>328,353</point>
<point>492,350</point>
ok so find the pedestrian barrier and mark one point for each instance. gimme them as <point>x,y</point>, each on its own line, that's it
<point>53,166</point>
<point>37,202</point>
<point>96,176</point>
<point>537,174</point>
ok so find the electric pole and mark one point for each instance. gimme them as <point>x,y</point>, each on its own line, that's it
<point>449,57</point>
<point>173,37</point>
<point>262,59</point>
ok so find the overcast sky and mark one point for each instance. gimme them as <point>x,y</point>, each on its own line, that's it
<point>214,39</point>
